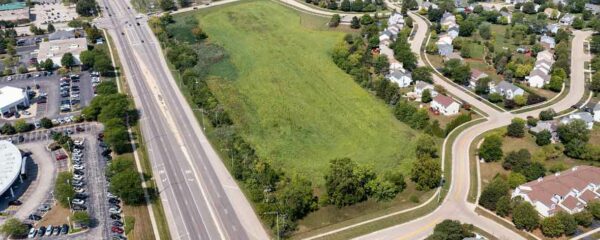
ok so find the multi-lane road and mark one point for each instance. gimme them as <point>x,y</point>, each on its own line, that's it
<point>201,199</point>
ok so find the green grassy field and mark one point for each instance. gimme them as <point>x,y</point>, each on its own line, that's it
<point>288,98</point>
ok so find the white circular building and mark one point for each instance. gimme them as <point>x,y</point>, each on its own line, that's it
<point>10,165</point>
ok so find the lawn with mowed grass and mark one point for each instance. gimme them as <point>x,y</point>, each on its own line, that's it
<point>288,98</point>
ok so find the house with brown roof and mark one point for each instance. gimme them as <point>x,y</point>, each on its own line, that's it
<point>475,76</point>
<point>568,191</point>
<point>445,105</point>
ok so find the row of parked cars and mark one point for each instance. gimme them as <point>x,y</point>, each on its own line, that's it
<point>69,92</point>
<point>78,203</point>
<point>114,203</point>
<point>48,231</point>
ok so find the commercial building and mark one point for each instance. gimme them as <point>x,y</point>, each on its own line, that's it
<point>56,49</point>
<point>10,165</point>
<point>11,98</point>
<point>16,12</point>
<point>567,191</point>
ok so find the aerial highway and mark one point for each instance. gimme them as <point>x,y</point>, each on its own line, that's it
<point>201,199</point>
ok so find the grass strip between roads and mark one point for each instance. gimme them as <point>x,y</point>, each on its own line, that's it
<point>479,210</point>
<point>159,214</point>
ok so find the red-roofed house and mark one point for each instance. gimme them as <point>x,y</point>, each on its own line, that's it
<point>566,191</point>
<point>475,76</point>
<point>445,105</point>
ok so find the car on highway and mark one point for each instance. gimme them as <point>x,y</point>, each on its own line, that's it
<point>32,233</point>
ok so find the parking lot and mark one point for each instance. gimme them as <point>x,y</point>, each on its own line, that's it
<point>71,93</point>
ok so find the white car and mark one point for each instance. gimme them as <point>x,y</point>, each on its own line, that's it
<point>32,233</point>
<point>79,190</point>
<point>110,195</point>
<point>9,78</point>
<point>26,113</point>
<point>114,210</point>
<point>72,117</point>
<point>55,121</point>
<point>79,143</point>
<point>78,177</point>
<point>78,167</point>
<point>78,201</point>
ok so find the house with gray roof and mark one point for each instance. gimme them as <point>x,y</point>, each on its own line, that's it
<point>595,9</point>
<point>453,31</point>
<point>549,126</point>
<point>548,42</point>
<point>507,90</point>
<point>586,117</point>
<point>401,77</point>
<point>553,28</point>
<point>567,19</point>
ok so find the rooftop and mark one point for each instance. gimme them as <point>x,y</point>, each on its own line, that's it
<point>12,6</point>
<point>57,48</point>
<point>9,95</point>
<point>504,85</point>
<point>10,164</point>
<point>444,100</point>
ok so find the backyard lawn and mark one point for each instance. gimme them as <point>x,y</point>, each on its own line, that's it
<point>289,99</point>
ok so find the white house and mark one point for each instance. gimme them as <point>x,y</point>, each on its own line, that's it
<point>586,117</point>
<point>447,20</point>
<point>568,191</point>
<point>567,19</point>
<point>401,77</point>
<point>538,78</point>
<point>386,37</point>
<point>421,86</point>
<point>507,90</point>
<point>453,31</point>
<point>11,98</point>
<point>445,105</point>
<point>553,27</point>
<point>597,112</point>
<point>396,18</point>
<point>444,45</point>
<point>426,5</point>
<point>548,42</point>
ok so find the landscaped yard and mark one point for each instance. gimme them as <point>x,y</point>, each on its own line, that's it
<point>290,101</point>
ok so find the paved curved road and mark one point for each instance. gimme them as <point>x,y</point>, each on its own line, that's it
<point>456,206</point>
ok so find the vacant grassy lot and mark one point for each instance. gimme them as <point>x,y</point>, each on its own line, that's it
<point>290,101</point>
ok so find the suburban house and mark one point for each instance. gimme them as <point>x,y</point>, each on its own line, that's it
<point>56,49</point>
<point>514,1</point>
<point>453,31</point>
<point>595,9</point>
<point>547,42</point>
<point>386,37</point>
<point>550,126</point>
<point>507,15</point>
<point>475,76</point>
<point>395,25</point>
<point>445,105</point>
<point>553,27</point>
<point>396,18</point>
<point>540,75</point>
<point>426,5</point>
<point>401,77</point>
<point>421,86</point>
<point>444,45</point>
<point>567,191</point>
<point>448,19</point>
<point>567,19</point>
<point>597,112</point>
<point>550,11</point>
<point>507,90</point>
<point>586,117</point>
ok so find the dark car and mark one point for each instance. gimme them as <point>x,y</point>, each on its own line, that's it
<point>65,229</point>
<point>79,172</point>
<point>79,129</point>
<point>116,230</point>
<point>79,207</point>
<point>42,231</point>
<point>115,216</point>
<point>117,224</point>
<point>34,217</point>
<point>15,202</point>
<point>81,195</point>
<point>114,200</point>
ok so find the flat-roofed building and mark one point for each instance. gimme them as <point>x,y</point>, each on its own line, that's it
<point>56,49</point>
<point>11,98</point>
<point>10,165</point>
<point>17,12</point>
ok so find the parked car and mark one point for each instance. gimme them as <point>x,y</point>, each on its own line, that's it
<point>49,229</point>
<point>110,195</point>
<point>117,223</point>
<point>41,231</point>
<point>65,229</point>
<point>79,172</point>
<point>114,200</point>
<point>116,230</point>
<point>34,217</point>
<point>15,202</point>
<point>78,167</point>
<point>44,208</point>
<point>32,233</point>
<point>115,216</point>
<point>78,201</point>
<point>56,230</point>
<point>79,207</point>
<point>114,210</point>
<point>77,177</point>
<point>79,190</point>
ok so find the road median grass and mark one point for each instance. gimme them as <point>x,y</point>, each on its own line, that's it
<point>143,229</point>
